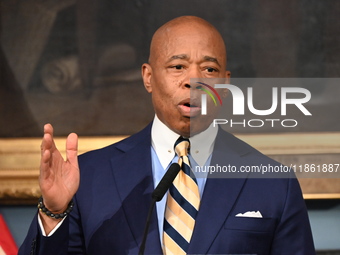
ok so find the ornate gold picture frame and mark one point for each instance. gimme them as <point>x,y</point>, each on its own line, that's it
<point>19,161</point>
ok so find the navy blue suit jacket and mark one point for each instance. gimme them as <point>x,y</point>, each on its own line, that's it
<point>115,193</point>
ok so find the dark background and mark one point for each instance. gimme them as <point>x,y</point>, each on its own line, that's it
<point>76,64</point>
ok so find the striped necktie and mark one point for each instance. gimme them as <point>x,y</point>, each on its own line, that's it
<point>182,205</point>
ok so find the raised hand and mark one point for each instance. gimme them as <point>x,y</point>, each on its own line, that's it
<point>59,178</point>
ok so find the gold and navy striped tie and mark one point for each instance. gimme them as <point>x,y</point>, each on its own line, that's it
<point>182,205</point>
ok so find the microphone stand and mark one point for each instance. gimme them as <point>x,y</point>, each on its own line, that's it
<point>146,229</point>
<point>157,195</point>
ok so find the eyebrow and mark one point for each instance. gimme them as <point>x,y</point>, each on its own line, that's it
<point>180,56</point>
<point>211,59</point>
<point>185,57</point>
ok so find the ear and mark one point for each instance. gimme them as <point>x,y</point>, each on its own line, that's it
<point>225,92</point>
<point>146,74</point>
<point>227,76</point>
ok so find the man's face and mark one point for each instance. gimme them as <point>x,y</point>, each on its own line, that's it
<point>179,54</point>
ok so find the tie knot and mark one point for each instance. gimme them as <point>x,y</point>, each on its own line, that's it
<point>182,146</point>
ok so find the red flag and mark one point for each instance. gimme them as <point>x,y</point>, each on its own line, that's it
<point>7,243</point>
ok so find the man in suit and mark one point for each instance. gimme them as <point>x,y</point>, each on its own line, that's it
<point>112,190</point>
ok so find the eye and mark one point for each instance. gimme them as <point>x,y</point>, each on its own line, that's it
<point>211,70</point>
<point>177,67</point>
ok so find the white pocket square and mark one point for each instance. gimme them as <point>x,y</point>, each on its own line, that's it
<point>250,214</point>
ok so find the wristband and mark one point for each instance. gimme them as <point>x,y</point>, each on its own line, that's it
<point>44,210</point>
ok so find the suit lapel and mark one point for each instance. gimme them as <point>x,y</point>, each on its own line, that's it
<point>134,181</point>
<point>220,194</point>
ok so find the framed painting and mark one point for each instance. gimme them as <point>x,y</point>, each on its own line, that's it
<point>76,64</point>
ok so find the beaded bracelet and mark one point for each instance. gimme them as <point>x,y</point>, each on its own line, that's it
<point>43,209</point>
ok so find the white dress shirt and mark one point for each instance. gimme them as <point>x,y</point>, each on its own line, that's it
<point>163,140</point>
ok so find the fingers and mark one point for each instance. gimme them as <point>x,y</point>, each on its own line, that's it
<point>72,149</point>
<point>58,180</point>
<point>44,164</point>
<point>48,129</point>
<point>46,147</point>
<point>47,141</point>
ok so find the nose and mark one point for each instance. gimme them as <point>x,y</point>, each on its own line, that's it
<point>192,74</point>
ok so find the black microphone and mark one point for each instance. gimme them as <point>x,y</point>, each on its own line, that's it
<point>166,181</point>
<point>157,195</point>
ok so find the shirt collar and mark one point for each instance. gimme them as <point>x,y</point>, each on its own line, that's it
<point>163,140</point>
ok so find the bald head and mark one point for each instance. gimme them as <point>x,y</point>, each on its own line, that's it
<point>181,28</point>
<point>184,48</point>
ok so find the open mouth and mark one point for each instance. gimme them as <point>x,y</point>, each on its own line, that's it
<point>190,105</point>
<point>189,109</point>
